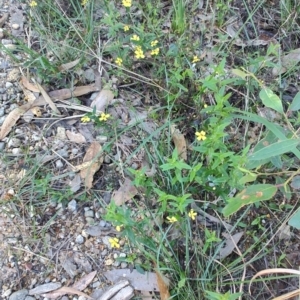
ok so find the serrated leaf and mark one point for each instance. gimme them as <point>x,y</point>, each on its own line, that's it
<point>271,100</point>
<point>251,194</point>
<point>275,149</point>
<point>295,105</point>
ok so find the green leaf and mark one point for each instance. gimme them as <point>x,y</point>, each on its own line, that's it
<point>248,178</point>
<point>251,194</point>
<point>239,73</point>
<point>295,105</point>
<point>271,100</point>
<point>275,149</point>
<point>295,220</point>
<point>295,184</point>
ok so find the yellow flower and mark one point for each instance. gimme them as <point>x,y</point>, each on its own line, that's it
<point>172,219</point>
<point>205,105</point>
<point>127,3</point>
<point>84,2</point>
<point>114,242</point>
<point>139,52</point>
<point>119,228</point>
<point>192,214</point>
<point>135,38</point>
<point>104,117</point>
<point>126,28</point>
<point>201,135</point>
<point>119,61</point>
<point>155,51</point>
<point>154,43</point>
<point>195,59</point>
<point>85,119</point>
<point>32,3</point>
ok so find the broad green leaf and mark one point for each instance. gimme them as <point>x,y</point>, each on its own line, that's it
<point>271,100</point>
<point>251,194</point>
<point>295,220</point>
<point>295,105</point>
<point>239,73</point>
<point>250,177</point>
<point>275,149</point>
<point>275,128</point>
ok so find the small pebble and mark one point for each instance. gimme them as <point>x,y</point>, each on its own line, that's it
<point>96,284</point>
<point>109,262</point>
<point>101,138</point>
<point>122,255</point>
<point>14,143</point>
<point>2,146</point>
<point>59,164</point>
<point>7,293</point>
<point>107,159</point>
<point>6,42</point>
<point>72,205</point>
<point>116,255</point>
<point>124,265</point>
<point>90,220</point>
<point>75,151</point>
<point>15,26</point>
<point>89,213</point>
<point>8,84</point>
<point>116,264</point>
<point>79,239</point>
<point>62,152</point>
<point>104,252</point>
<point>19,295</point>
<point>102,223</point>
<point>2,112</point>
<point>29,298</point>
<point>36,137</point>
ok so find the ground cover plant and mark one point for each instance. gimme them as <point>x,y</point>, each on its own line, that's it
<point>220,160</point>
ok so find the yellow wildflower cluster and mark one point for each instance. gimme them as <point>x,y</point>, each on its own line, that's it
<point>172,219</point>
<point>127,3</point>
<point>201,135</point>
<point>119,61</point>
<point>126,28</point>
<point>84,2</point>
<point>192,214</point>
<point>154,43</point>
<point>139,52</point>
<point>155,51</point>
<point>135,38</point>
<point>114,242</point>
<point>195,59</point>
<point>104,117</point>
<point>32,3</point>
<point>85,119</point>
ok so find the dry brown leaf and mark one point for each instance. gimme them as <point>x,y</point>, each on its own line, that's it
<point>63,291</point>
<point>75,137</point>
<point>103,98</point>
<point>287,62</point>
<point>93,155</point>
<point>66,94</point>
<point>29,86</point>
<point>84,281</point>
<point>230,244</point>
<point>162,286</point>
<point>69,65</point>
<point>12,119</point>
<point>48,99</point>
<point>179,142</point>
<point>126,192</point>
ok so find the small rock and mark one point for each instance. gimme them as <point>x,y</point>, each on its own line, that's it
<point>2,112</point>
<point>90,220</point>
<point>36,137</point>
<point>61,133</point>
<point>104,252</point>
<point>8,84</point>
<point>6,42</point>
<point>2,119</point>
<point>59,164</point>
<point>45,288</point>
<point>107,159</point>
<point>79,239</point>
<point>95,284</point>
<point>15,26</point>
<point>63,152</point>
<point>107,197</point>
<point>122,255</point>
<point>6,293</point>
<point>10,46</point>
<point>75,151</point>
<point>16,151</point>
<point>116,264</point>
<point>89,75</point>
<point>89,213</point>
<point>102,223</point>
<point>19,295</point>
<point>109,262</point>
<point>2,146</point>
<point>72,205</point>
<point>101,138</point>
<point>29,298</point>
<point>14,142</point>
<point>116,255</point>
<point>124,265</point>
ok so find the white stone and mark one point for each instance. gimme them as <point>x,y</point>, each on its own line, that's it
<point>15,26</point>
